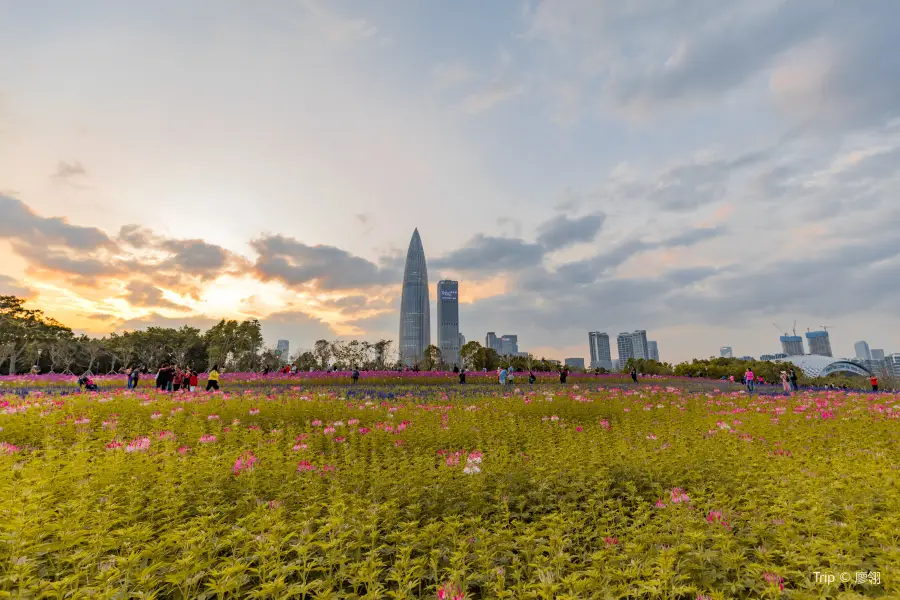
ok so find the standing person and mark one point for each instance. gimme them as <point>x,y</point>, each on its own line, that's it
<point>462,376</point>
<point>748,377</point>
<point>355,375</point>
<point>874,381</point>
<point>531,377</point>
<point>784,381</point>
<point>212,382</point>
<point>502,376</point>
<point>509,377</point>
<point>193,380</point>
<point>793,378</point>
<point>563,375</point>
<point>177,379</point>
<point>130,382</point>
<point>634,374</point>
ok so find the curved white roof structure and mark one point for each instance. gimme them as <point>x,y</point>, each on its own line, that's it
<point>814,365</point>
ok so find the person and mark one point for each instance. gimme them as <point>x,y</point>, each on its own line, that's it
<point>266,370</point>
<point>634,374</point>
<point>355,375</point>
<point>35,370</point>
<point>510,379</point>
<point>87,383</point>
<point>748,378</point>
<point>563,375</point>
<point>212,382</point>
<point>130,381</point>
<point>177,379</point>
<point>462,376</point>
<point>455,369</point>
<point>793,378</point>
<point>874,381</point>
<point>192,382</point>
<point>502,376</point>
<point>784,381</point>
<point>531,377</point>
<point>135,376</point>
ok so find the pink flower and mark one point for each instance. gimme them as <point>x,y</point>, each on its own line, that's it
<point>207,439</point>
<point>156,415</point>
<point>184,450</point>
<point>328,430</point>
<point>166,435</point>
<point>339,439</point>
<point>364,430</point>
<point>353,422</point>
<point>773,579</point>
<point>604,424</point>
<point>450,592</point>
<point>579,428</point>
<point>299,447</point>
<point>244,462</point>
<point>82,421</point>
<point>398,443</point>
<point>474,457</point>
<point>316,423</point>
<point>113,445</point>
<point>212,418</point>
<point>650,436</point>
<point>235,421</point>
<point>138,445</point>
<point>452,460</point>
<point>678,495</point>
<point>327,468</point>
<point>611,541</point>
<point>254,411</point>
<point>660,504</point>
<point>554,418</point>
<point>305,465</point>
<point>715,517</point>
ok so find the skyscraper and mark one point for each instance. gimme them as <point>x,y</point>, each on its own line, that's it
<point>509,345</point>
<point>462,341</point>
<point>491,341</point>
<point>726,352</point>
<point>792,345</point>
<point>862,350</point>
<point>575,363</point>
<point>284,346</point>
<point>639,346</point>
<point>448,321</point>
<point>415,311</point>
<point>819,343</point>
<point>601,357</point>
<point>624,341</point>
<point>877,354</point>
<point>653,350</point>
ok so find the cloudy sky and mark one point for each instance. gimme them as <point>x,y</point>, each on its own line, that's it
<point>700,169</point>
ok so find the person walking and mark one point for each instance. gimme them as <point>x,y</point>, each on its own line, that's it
<point>177,379</point>
<point>502,376</point>
<point>212,382</point>
<point>355,375</point>
<point>563,375</point>
<point>784,381</point>
<point>634,375</point>
<point>192,382</point>
<point>531,377</point>
<point>792,375</point>
<point>874,381</point>
<point>462,376</point>
<point>749,377</point>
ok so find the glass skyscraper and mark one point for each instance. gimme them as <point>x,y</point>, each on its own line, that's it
<point>448,321</point>
<point>415,311</point>
<point>601,358</point>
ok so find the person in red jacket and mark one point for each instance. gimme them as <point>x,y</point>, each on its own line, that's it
<point>193,381</point>
<point>874,381</point>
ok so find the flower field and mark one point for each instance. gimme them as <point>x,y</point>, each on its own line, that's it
<point>453,492</point>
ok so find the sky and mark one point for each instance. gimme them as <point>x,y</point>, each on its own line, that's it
<point>700,169</point>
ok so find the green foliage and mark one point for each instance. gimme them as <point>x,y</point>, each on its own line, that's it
<point>565,503</point>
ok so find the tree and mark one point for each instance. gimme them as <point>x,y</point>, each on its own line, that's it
<point>92,349</point>
<point>306,361</point>
<point>432,358</point>
<point>323,354</point>
<point>468,354</point>
<point>25,331</point>
<point>382,349</point>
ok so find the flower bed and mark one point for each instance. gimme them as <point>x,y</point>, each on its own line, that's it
<point>438,492</point>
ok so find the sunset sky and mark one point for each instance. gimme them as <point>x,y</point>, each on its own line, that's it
<point>700,169</point>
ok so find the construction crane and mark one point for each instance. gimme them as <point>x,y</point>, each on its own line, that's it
<point>824,327</point>
<point>795,327</point>
<point>783,332</point>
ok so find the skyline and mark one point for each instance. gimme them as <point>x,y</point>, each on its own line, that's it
<point>577,166</point>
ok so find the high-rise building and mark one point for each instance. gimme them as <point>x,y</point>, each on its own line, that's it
<point>819,343</point>
<point>448,321</point>
<point>877,354</point>
<point>626,351</point>
<point>415,310</point>
<point>284,347</point>
<point>639,346</point>
<point>575,363</point>
<point>726,352</point>
<point>792,345</point>
<point>462,341</point>
<point>777,356</point>
<point>601,357</point>
<point>492,341</point>
<point>653,350</point>
<point>862,350</point>
<point>509,345</point>
<point>893,364</point>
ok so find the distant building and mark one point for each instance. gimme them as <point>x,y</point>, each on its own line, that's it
<point>877,354</point>
<point>492,341</point>
<point>862,351</point>
<point>624,344</point>
<point>639,346</point>
<point>792,345</point>
<point>284,347</point>
<point>819,343</point>
<point>653,349</point>
<point>509,345</point>
<point>415,314</point>
<point>462,341</point>
<point>777,356</point>
<point>726,352</point>
<point>448,321</point>
<point>575,363</point>
<point>616,365</point>
<point>747,358</point>
<point>893,364</point>
<point>601,357</point>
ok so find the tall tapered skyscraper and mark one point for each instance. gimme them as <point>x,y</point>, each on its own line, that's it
<point>415,311</point>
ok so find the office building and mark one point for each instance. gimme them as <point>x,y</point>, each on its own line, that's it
<point>877,354</point>
<point>462,341</point>
<point>601,357</point>
<point>747,358</point>
<point>792,345</point>
<point>892,364</point>
<point>575,363</point>
<point>283,349</point>
<point>624,347</point>
<point>726,352</point>
<point>639,346</point>
<point>819,343</point>
<point>653,350</point>
<point>777,356</point>
<point>492,341</point>
<point>448,321</point>
<point>415,310</point>
<point>861,349</point>
<point>509,345</point>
